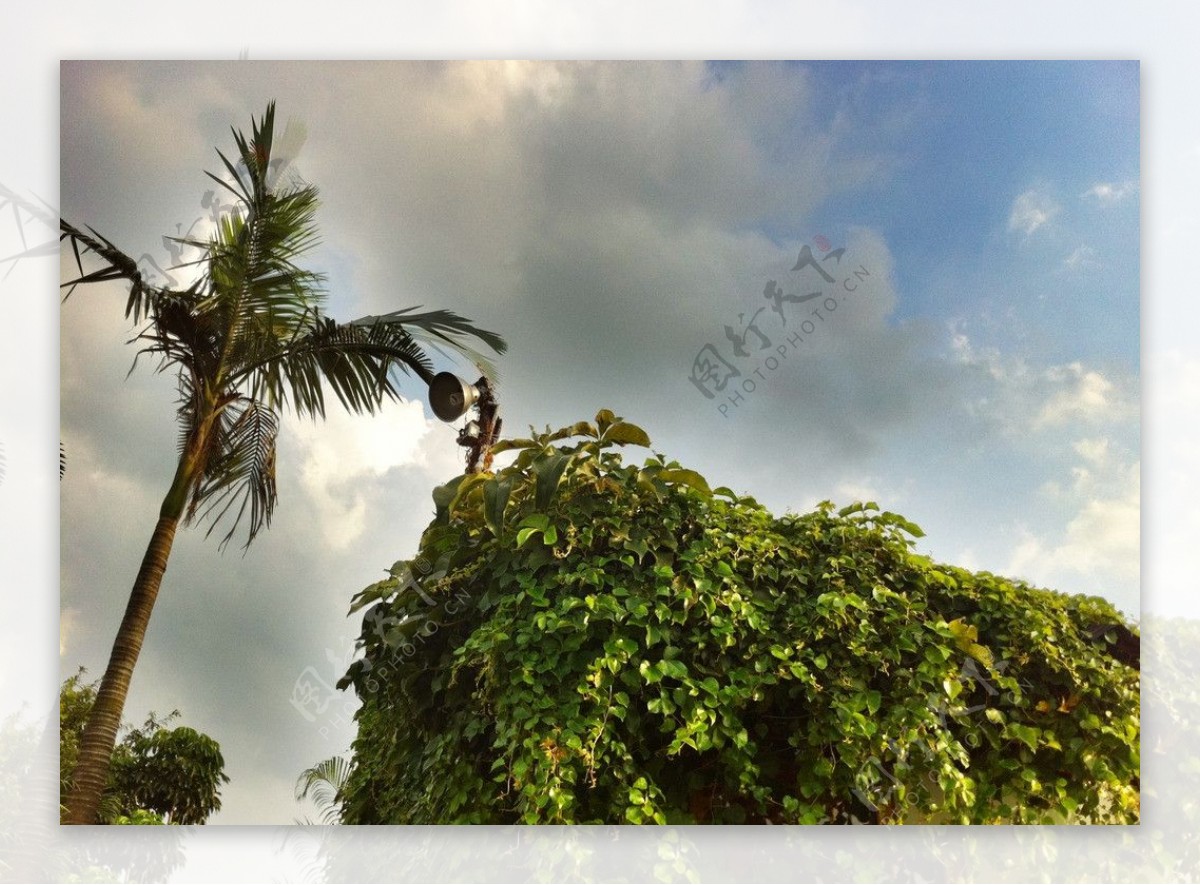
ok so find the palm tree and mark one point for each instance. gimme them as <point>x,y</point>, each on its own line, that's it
<point>324,783</point>
<point>247,340</point>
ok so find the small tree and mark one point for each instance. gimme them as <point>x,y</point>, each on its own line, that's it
<point>158,774</point>
<point>584,640</point>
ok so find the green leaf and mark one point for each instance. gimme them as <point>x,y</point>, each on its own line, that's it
<point>858,507</point>
<point>889,518</point>
<point>1024,733</point>
<point>539,521</point>
<point>605,419</point>
<point>505,445</point>
<point>685,477</point>
<point>965,636</point>
<point>675,669</point>
<point>962,631</point>
<point>980,653</point>
<point>652,673</point>
<point>628,646</point>
<point>647,481</point>
<point>638,546</point>
<point>470,481</point>
<point>623,433</point>
<point>378,590</point>
<point>874,699</point>
<point>579,428</point>
<point>549,470</point>
<point>495,499</point>
<point>443,495</point>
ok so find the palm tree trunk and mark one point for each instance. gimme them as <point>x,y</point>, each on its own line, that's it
<point>100,733</point>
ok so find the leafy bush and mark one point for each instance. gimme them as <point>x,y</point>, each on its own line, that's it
<point>584,640</point>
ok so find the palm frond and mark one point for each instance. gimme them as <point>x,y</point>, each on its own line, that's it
<point>323,783</point>
<point>460,351</point>
<point>258,294</point>
<point>354,361</point>
<point>117,266</point>
<point>445,332</point>
<point>358,360</point>
<point>179,334</point>
<point>238,470</point>
<point>444,325</point>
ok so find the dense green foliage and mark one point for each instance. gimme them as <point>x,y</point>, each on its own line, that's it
<point>584,640</point>
<point>158,774</point>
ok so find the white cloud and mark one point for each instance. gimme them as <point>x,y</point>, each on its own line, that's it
<point>1030,211</point>
<point>1083,394</point>
<point>1105,192</point>
<point>342,455</point>
<point>969,559</point>
<point>1094,451</point>
<point>857,490</point>
<point>1101,541</point>
<point>1083,529</point>
<point>1082,257</point>
<point>886,492</point>
<point>343,445</point>
<point>1021,398</point>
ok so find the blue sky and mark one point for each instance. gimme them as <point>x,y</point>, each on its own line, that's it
<point>610,219</point>
<point>976,135</point>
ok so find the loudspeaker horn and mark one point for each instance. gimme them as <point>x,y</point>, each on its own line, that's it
<point>450,397</point>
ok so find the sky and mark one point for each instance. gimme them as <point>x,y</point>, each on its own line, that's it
<point>972,360</point>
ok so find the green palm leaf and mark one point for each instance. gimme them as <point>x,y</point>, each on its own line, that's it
<point>240,472</point>
<point>324,783</point>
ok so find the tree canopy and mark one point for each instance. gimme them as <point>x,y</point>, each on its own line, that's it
<point>158,774</point>
<point>580,639</point>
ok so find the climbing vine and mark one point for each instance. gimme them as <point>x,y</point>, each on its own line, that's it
<point>580,639</point>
